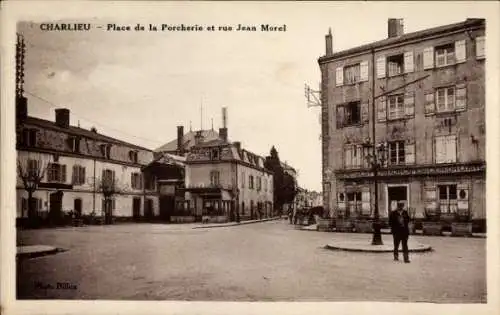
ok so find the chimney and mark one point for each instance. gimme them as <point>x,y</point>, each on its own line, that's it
<point>223,133</point>
<point>21,108</point>
<point>62,117</point>
<point>395,27</point>
<point>180,138</point>
<point>329,43</point>
<point>198,137</point>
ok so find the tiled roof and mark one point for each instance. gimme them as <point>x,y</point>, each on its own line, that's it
<point>77,131</point>
<point>403,38</point>
<point>208,135</point>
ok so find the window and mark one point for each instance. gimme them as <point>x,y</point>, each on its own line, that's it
<point>447,198</point>
<point>445,55</point>
<point>136,181</point>
<point>250,182</point>
<point>395,65</point>
<point>348,114</point>
<point>396,152</point>
<point>354,201</point>
<point>352,74</point>
<point>33,168</point>
<point>215,154</point>
<point>354,156</point>
<point>74,144</point>
<point>445,99</point>
<point>29,137</point>
<point>133,156</point>
<point>396,106</point>
<point>108,177</point>
<point>78,175</point>
<point>480,47</point>
<point>56,172</point>
<point>445,149</point>
<point>106,150</point>
<point>259,183</point>
<point>214,178</point>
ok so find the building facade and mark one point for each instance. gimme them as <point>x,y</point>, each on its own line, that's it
<point>222,180</point>
<point>76,167</point>
<point>420,98</point>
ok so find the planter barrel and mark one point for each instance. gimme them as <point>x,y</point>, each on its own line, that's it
<point>363,226</point>
<point>461,228</point>
<point>326,224</point>
<point>344,225</point>
<point>432,228</point>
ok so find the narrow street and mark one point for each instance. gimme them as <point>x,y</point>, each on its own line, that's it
<point>268,261</point>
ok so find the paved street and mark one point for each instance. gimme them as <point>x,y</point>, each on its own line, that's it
<point>267,261</point>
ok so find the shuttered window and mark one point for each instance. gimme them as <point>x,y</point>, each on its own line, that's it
<point>480,47</point>
<point>445,99</point>
<point>447,198</point>
<point>78,177</point>
<point>396,106</point>
<point>445,55</point>
<point>445,149</point>
<point>352,74</point>
<point>397,152</point>
<point>56,173</point>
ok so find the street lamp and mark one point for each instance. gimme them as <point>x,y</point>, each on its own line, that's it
<point>376,160</point>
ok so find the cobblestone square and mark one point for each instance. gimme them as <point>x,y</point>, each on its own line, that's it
<point>270,261</point>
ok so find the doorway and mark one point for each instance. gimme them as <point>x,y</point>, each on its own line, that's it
<point>136,208</point>
<point>78,207</point>
<point>55,210</point>
<point>397,194</point>
<point>167,207</point>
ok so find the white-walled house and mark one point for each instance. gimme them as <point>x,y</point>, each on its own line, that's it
<point>74,162</point>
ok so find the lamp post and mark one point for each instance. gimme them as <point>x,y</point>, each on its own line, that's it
<point>376,160</point>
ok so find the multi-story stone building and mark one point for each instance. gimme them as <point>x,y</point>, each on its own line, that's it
<point>423,96</point>
<point>76,166</point>
<point>222,180</point>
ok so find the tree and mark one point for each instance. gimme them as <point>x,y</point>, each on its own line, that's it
<point>108,186</point>
<point>289,188</point>
<point>31,173</point>
<point>273,164</point>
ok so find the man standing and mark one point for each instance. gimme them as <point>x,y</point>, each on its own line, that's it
<point>398,220</point>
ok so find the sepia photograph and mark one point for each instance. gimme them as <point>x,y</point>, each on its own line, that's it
<point>251,152</point>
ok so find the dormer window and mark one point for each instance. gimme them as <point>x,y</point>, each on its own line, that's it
<point>215,154</point>
<point>74,144</point>
<point>133,156</point>
<point>106,150</point>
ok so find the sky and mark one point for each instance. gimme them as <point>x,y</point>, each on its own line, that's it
<point>138,86</point>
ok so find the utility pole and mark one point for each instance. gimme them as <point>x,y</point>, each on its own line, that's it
<point>378,161</point>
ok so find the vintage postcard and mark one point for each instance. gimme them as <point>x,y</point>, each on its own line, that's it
<point>249,157</point>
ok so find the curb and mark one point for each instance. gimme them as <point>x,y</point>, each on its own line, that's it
<point>36,254</point>
<point>234,224</point>
<point>425,248</point>
<point>388,233</point>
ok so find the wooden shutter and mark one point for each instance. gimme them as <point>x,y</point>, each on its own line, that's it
<point>463,198</point>
<point>339,76</point>
<point>82,175</point>
<point>363,71</point>
<point>480,47</point>
<point>409,62</point>
<point>410,153</point>
<point>428,58</point>
<point>409,104</point>
<point>74,175</point>
<point>461,97</point>
<point>460,51</point>
<point>430,197</point>
<point>340,116</point>
<point>440,149</point>
<point>430,106</point>
<point>63,173</point>
<point>451,148</point>
<point>348,156</point>
<point>365,200</point>
<point>381,67</point>
<point>364,113</point>
<point>381,110</point>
